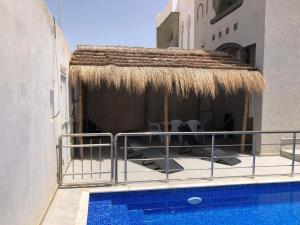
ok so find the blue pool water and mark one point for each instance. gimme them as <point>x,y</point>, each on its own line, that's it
<point>270,204</point>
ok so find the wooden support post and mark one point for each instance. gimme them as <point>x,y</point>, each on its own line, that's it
<point>80,115</point>
<point>245,121</point>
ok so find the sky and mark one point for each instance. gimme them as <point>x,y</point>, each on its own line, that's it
<point>109,22</point>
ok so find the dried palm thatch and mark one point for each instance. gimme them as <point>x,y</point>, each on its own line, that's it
<point>173,70</point>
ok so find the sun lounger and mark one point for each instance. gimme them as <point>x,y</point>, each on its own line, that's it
<point>158,162</point>
<point>220,155</point>
<point>155,153</point>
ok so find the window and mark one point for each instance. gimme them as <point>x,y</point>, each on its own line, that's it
<point>224,7</point>
<point>220,34</point>
<point>227,30</point>
<point>221,5</point>
<point>232,49</point>
<point>235,26</point>
<point>200,12</point>
<point>214,37</point>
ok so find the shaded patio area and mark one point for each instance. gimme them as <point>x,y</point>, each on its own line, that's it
<point>120,89</point>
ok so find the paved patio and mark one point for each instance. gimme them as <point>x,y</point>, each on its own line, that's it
<point>67,202</point>
<point>66,207</point>
<point>195,167</point>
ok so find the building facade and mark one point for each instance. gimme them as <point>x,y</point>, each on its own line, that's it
<point>264,33</point>
<point>34,64</point>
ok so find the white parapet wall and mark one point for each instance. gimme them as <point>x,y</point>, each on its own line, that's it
<point>30,63</point>
<point>172,6</point>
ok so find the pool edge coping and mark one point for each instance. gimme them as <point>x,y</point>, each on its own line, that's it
<point>82,213</point>
<point>188,185</point>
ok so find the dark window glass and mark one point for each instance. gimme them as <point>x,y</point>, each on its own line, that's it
<point>224,7</point>
<point>221,5</point>
<point>227,30</point>
<point>214,37</point>
<point>220,34</point>
<point>236,26</point>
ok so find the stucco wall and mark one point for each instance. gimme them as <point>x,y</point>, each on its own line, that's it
<point>172,6</point>
<point>251,24</point>
<point>186,9</point>
<point>281,100</point>
<point>250,19</point>
<point>28,135</point>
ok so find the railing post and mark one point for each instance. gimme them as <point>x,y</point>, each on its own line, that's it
<point>100,160</point>
<point>60,176</point>
<point>73,158</point>
<point>115,160</point>
<point>82,150</point>
<point>125,160</point>
<point>167,158</point>
<point>212,157</point>
<point>294,154</point>
<point>254,154</point>
<point>91,156</point>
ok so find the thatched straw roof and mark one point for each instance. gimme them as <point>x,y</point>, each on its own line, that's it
<point>174,70</point>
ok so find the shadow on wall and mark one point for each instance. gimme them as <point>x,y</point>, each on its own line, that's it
<point>109,110</point>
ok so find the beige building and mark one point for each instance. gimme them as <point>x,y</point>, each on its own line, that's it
<point>264,33</point>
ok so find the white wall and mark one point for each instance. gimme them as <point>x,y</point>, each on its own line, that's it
<point>172,6</point>
<point>250,19</point>
<point>202,25</point>
<point>186,9</point>
<point>251,30</point>
<point>251,24</point>
<point>274,26</point>
<point>28,135</point>
<point>281,100</point>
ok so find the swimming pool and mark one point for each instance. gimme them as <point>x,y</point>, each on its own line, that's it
<point>229,205</point>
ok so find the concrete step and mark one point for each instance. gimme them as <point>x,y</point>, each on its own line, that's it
<point>286,148</point>
<point>287,152</point>
<point>288,141</point>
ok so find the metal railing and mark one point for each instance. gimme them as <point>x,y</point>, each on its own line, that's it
<point>80,159</point>
<point>97,159</point>
<point>122,139</point>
